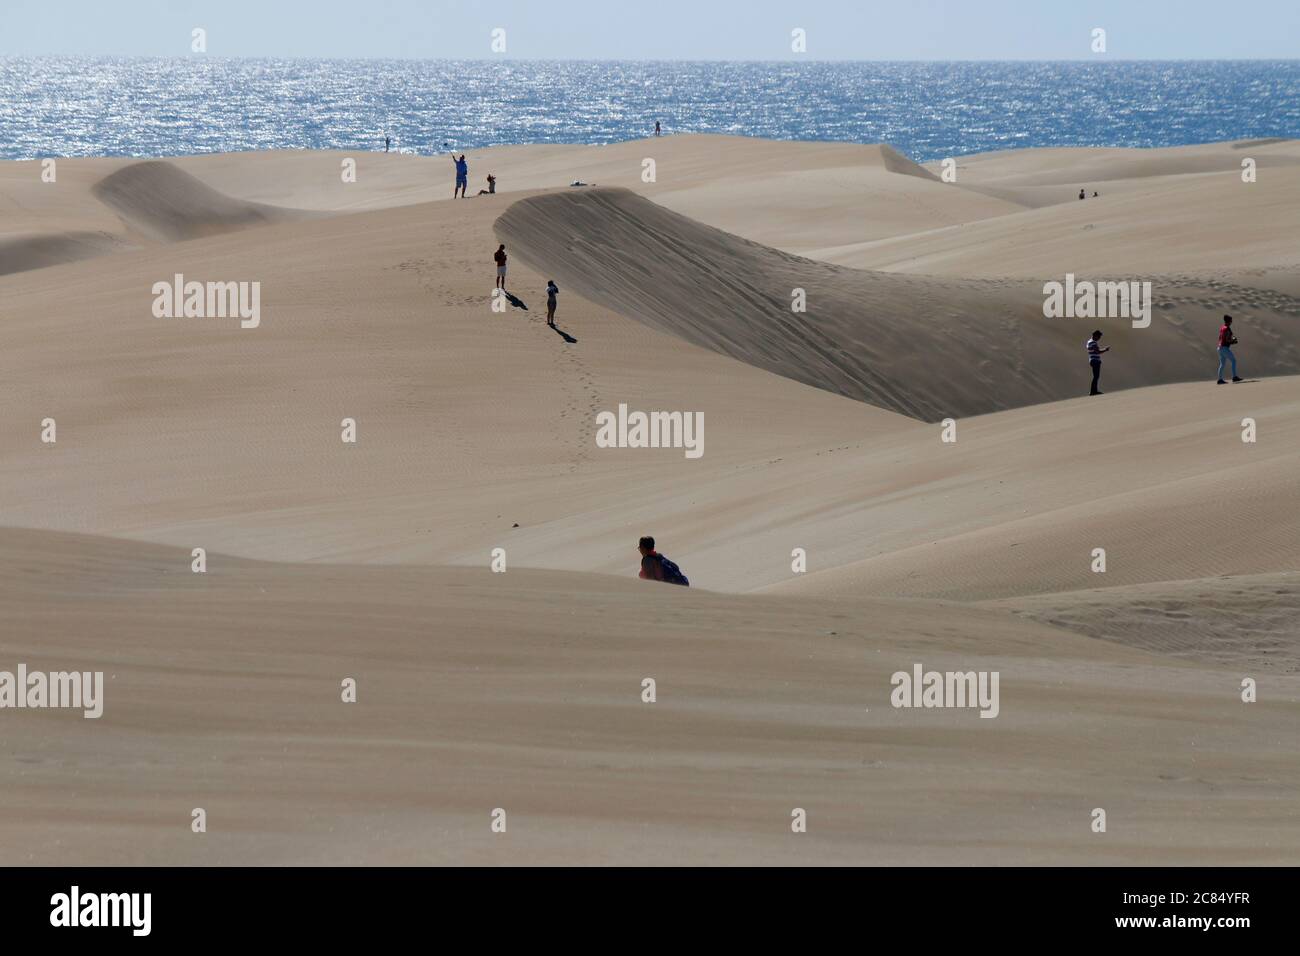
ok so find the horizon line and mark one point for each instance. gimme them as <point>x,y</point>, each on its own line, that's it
<point>1098,58</point>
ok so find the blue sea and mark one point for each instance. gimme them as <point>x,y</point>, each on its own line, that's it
<point>81,106</point>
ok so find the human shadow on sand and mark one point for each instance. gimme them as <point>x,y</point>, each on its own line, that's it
<point>514,300</point>
<point>562,334</point>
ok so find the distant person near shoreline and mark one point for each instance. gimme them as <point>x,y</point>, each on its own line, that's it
<point>462,176</point>
<point>500,257</point>
<point>388,141</point>
<point>658,130</point>
<point>1226,341</point>
<point>655,567</point>
<point>1093,345</point>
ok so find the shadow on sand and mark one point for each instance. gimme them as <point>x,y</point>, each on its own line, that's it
<point>561,333</point>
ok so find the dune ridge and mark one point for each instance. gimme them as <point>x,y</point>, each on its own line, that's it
<point>18,253</point>
<point>921,346</point>
<point>167,204</point>
<point>522,689</point>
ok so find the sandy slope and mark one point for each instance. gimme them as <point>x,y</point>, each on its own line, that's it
<point>469,421</point>
<point>476,431</point>
<point>1181,210</point>
<point>204,434</point>
<point>1174,210</point>
<point>1231,620</point>
<point>814,194</point>
<point>167,204</point>
<point>523,691</point>
<point>809,194</point>
<point>922,346</point>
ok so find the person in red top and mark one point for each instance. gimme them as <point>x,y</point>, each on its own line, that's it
<point>1226,341</point>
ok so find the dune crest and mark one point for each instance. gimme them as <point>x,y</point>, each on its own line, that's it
<point>166,204</point>
<point>923,346</point>
<point>23,252</point>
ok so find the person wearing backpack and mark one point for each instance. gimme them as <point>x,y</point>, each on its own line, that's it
<point>655,567</point>
<point>1226,341</point>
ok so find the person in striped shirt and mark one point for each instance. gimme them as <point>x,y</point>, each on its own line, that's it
<point>1093,345</point>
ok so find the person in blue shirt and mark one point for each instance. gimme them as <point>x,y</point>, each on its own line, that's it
<point>462,176</point>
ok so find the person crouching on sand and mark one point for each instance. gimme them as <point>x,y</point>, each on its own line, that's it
<point>1226,341</point>
<point>500,258</point>
<point>492,186</point>
<point>1093,345</point>
<point>552,290</point>
<point>655,567</point>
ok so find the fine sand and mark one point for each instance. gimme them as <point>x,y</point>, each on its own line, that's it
<point>476,430</point>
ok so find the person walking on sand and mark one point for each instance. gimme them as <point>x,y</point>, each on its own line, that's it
<point>1082,194</point>
<point>1093,345</point>
<point>655,567</point>
<point>500,258</point>
<point>388,141</point>
<point>1226,341</point>
<point>658,130</point>
<point>462,176</point>
<point>552,290</point>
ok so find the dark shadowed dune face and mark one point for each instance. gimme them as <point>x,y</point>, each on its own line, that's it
<point>925,346</point>
<point>167,204</point>
<point>20,253</point>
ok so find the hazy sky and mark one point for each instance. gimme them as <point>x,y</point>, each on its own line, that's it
<point>659,29</point>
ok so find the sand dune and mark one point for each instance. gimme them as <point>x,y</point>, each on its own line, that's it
<point>862,206</point>
<point>522,691</point>
<point>920,346</point>
<point>476,431</point>
<point>1178,210</point>
<point>1082,166</point>
<point>95,207</point>
<point>449,395</point>
<point>795,196</point>
<point>384,317</point>
<point>1231,621</point>
<point>168,205</point>
<point>48,223</point>
<point>22,252</point>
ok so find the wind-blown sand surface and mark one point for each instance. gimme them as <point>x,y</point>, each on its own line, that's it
<point>476,430</point>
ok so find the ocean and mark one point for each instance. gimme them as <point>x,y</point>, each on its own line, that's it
<point>103,106</point>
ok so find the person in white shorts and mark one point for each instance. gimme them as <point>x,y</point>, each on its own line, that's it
<point>500,258</point>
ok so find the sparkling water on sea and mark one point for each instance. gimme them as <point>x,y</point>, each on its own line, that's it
<point>102,106</point>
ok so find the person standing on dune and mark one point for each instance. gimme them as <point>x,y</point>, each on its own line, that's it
<point>1093,345</point>
<point>462,176</point>
<point>552,290</point>
<point>500,257</point>
<point>1226,341</point>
